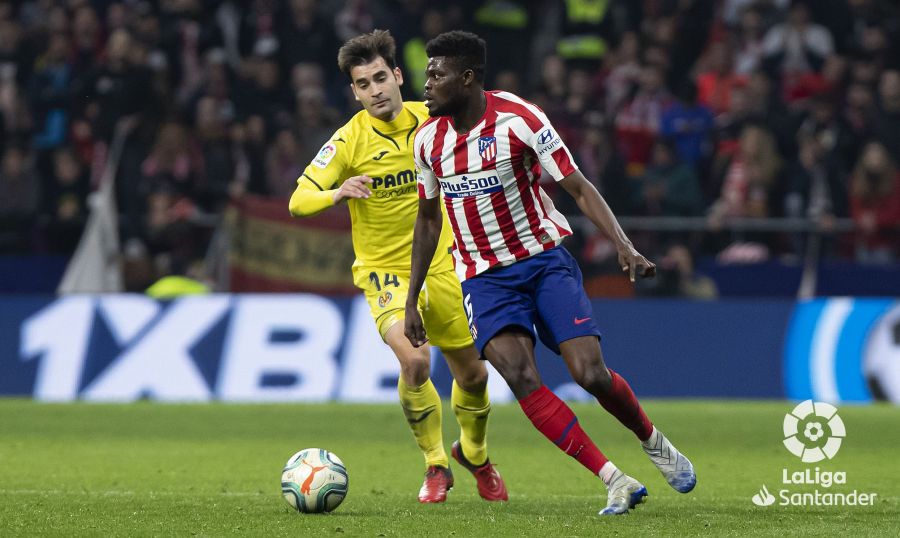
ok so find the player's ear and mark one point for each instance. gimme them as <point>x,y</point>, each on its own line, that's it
<point>398,75</point>
<point>468,77</point>
<point>353,89</point>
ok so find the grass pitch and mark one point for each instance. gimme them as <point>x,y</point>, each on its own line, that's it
<point>213,470</point>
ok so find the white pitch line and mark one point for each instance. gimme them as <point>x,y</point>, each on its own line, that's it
<point>126,493</point>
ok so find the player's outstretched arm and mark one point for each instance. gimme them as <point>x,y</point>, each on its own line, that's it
<point>595,208</point>
<point>425,239</point>
<point>308,200</point>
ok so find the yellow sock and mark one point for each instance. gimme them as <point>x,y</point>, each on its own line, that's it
<point>422,407</point>
<point>471,412</point>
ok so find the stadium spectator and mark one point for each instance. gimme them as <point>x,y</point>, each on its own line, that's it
<point>601,162</point>
<point>748,178</point>
<point>817,189</point>
<point>886,127</point>
<point>263,93</point>
<point>825,125</point>
<point>20,197</point>
<point>690,126</point>
<point>748,54</point>
<point>551,89</point>
<point>284,164</point>
<point>624,72</point>
<point>49,97</point>
<point>305,34</point>
<point>212,119</point>
<point>413,52</point>
<point>675,277</point>
<point>859,111</point>
<point>586,29</point>
<point>717,82</point>
<point>875,205</point>
<point>638,123</point>
<point>354,18</point>
<point>115,88</point>
<point>796,47</point>
<point>669,187</point>
<point>732,9</point>
<point>87,39</point>
<point>64,208</point>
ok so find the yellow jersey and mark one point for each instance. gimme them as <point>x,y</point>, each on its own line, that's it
<point>383,223</point>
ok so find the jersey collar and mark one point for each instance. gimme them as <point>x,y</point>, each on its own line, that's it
<point>402,122</point>
<point>488,108</point>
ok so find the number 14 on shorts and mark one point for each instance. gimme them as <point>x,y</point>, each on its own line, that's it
<point>388,280</point>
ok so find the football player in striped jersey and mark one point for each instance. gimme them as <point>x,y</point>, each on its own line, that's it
<point>482,152</point>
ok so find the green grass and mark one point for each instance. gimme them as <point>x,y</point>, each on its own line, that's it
<point>213,470</point>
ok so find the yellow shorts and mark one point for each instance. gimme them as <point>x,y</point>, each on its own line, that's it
<point>440,304</point>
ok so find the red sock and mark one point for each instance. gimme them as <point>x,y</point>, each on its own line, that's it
<point>552,417</point>
<point>621,403</point>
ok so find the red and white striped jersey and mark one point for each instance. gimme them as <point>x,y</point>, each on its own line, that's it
<point>489,180</point>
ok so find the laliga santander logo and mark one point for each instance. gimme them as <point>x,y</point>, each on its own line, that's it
<point>813,431</point>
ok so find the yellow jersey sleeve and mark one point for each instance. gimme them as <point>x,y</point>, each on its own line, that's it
<point>330,167</point>
<point>333,163</point>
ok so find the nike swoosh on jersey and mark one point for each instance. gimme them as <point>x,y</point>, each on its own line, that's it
<point>579,321</point>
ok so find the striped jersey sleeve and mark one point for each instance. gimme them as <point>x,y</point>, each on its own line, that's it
<point>428,184</point>
<point>538,133</point>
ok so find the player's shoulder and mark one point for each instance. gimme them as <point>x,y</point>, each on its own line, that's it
<point>510,103</point>
<point>427,129</point>
<point>355,126</point>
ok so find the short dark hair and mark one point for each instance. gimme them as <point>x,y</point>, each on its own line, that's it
<point>365,48</point>
<point>467,50</point>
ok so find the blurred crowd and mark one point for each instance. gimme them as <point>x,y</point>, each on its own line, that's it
<point>715,109</point>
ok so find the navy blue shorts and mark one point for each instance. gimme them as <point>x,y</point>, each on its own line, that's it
<point>543,294</point>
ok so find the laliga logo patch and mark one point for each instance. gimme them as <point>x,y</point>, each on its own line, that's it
<point>325,155</point>
<point>813,431</point>
<point>384,299</point>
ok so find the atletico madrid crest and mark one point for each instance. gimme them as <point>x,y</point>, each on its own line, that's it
<point>487,147</point>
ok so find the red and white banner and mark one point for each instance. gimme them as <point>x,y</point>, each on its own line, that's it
<point>272,251</point>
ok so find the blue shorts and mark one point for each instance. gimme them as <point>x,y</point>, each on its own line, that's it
<point>543,294</point>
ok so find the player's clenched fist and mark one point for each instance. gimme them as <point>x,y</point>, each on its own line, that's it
<point>355,187</point>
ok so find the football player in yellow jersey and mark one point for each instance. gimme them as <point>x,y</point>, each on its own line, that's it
<point>369,164</point>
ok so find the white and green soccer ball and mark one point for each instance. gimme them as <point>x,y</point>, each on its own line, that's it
<point>314,480</point>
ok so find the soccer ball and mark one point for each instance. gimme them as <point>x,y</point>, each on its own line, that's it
<point>314,480</point>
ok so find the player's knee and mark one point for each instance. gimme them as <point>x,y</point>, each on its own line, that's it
<point>415,370</point>
<point>473,380</point>
<point>594,379</point>
<point>522,381</point>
